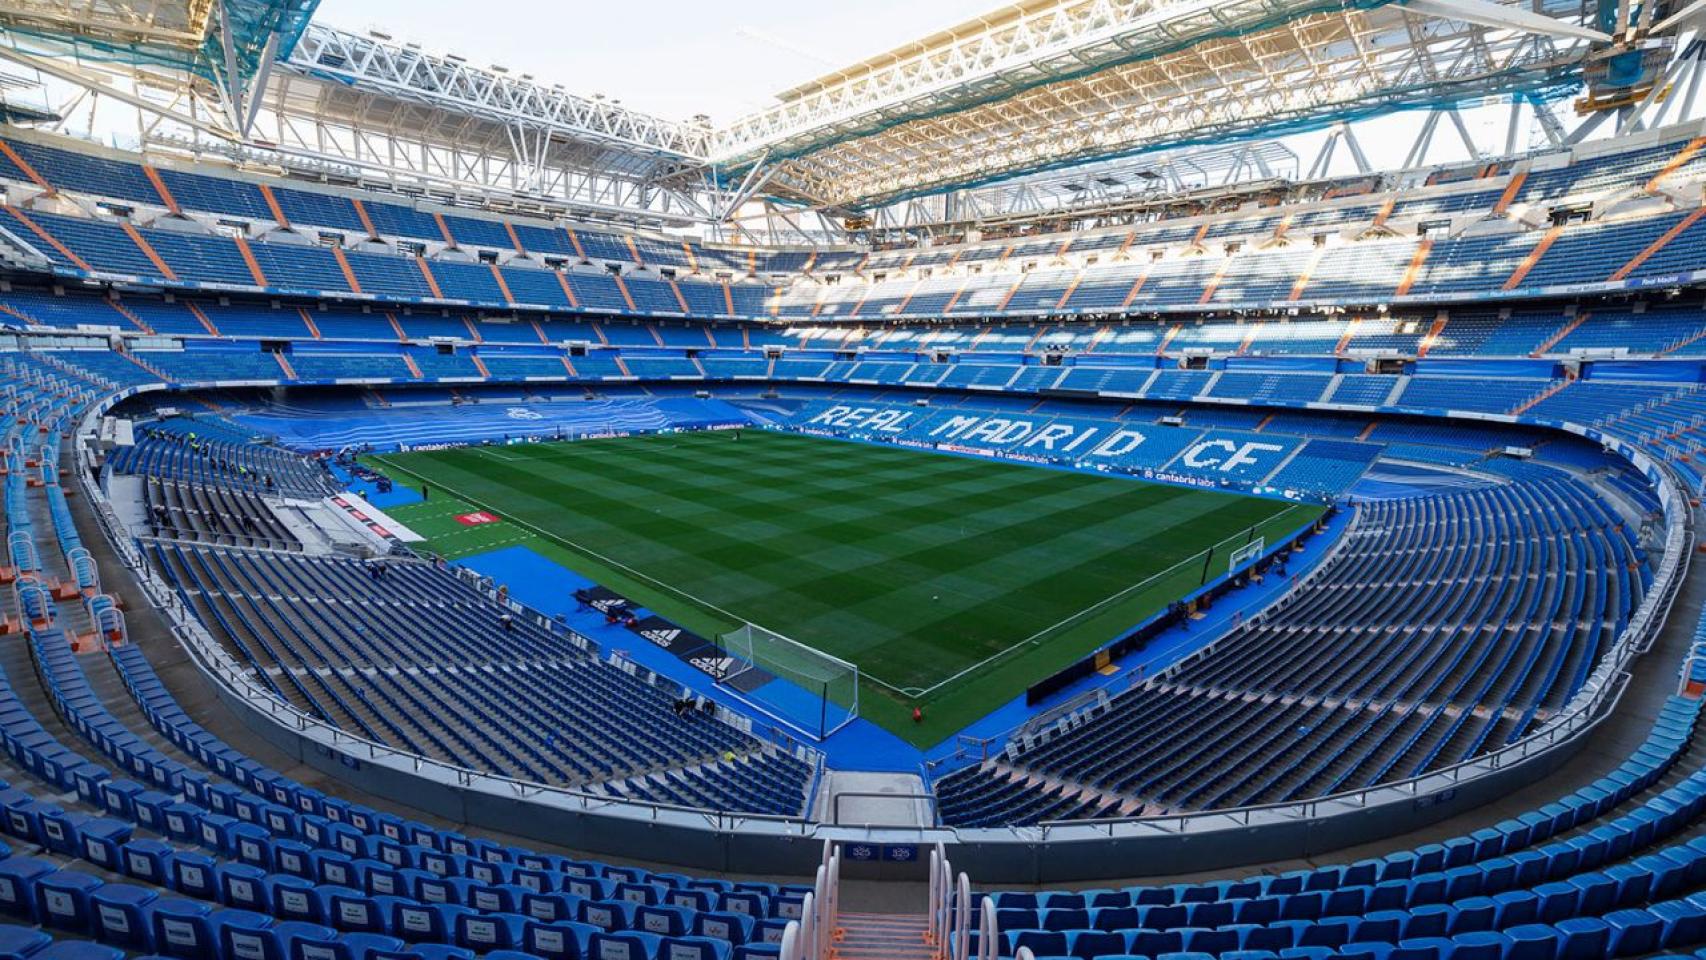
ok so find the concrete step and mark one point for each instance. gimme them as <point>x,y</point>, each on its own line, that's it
<point>880,936</point>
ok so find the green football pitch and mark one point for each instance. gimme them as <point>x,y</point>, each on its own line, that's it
<point>952,582</point>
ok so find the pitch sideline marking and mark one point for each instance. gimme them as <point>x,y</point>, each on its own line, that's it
<point>1107,601</point>
<point>563,541</point>
<point>914,692</point>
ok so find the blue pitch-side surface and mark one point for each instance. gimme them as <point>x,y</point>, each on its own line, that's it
<point>1169,647</point>
<point>388,428</point>
<point>400,496</point>
<point>549,587</point>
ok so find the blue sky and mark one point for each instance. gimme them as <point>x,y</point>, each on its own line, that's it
<point>674,58</point>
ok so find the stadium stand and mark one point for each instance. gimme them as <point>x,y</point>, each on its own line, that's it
<point>475,690</point>
<point>1327,710</point>
<point>1368,271</point>
<point>1503,408</point>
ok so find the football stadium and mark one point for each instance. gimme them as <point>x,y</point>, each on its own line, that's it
<point>1097,480</point>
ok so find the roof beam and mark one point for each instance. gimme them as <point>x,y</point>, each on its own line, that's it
<point>1690,12</point>
<point>1505,18</point>
<point>98,86</point>
<point>450,84</point>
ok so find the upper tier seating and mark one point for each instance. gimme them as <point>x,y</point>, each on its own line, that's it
<point>1369,253</point>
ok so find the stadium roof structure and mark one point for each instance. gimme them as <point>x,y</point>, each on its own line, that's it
<point>373,102</point>
<point>1039,106</point>
<point>224,41</point>
<point>1045,84</point>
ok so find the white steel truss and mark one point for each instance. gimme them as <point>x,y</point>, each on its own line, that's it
<point>989,58</point>
<point>416,147</point>
<point>1045,109</point>
<point>448,83</point>
<point>119,22</point>
<point>1093,190</point>
<point>389,113</point>
<point>1303,71</point>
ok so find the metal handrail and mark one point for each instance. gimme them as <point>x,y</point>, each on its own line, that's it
<point>1596,700</point>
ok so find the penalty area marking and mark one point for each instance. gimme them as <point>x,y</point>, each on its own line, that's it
<point>912,692</point>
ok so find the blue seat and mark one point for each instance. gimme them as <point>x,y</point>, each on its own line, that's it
<point>1585,938</point>
<point>1274,938</point>
<point>62,899</point>
<point>79,950</point>
<point>149,860</point>
<point>1473,914</point>
<point>1557,901</point>
<point>485,932</point>
<point>552,907</point>
<point>623,945</point>
<point>1088,944</point>
<point>247,935</point>
<point>18,877</point>
<point>18,942</point>
<point>330,866</point>
<point>1212,942</point>
<point>424,951</point>
<point>243,887</point>
<point>424,922</point>
<point>1532,941</point>
<point>343,946</point>
<point>1153,943</point>
<point>354,911</point>
<point>1113,918</point>
<point>1043,943</point>
<point>120,915</point>
<point>607,915</point>
<point>693,948</point>
<point>1480,945</point>
<point>1515,907</point>
<point>496,897</point>
<point>101,839</point>
<point>193,875</point>
<point>61,831</point>
<point>1065,919</point>
<point>181,929</point>
<point>562,940</point>
<point>294,898</point>
<point>1634,932</point>
<point>252,844</point>
<point>1429,920</point>
<point>1423,948</point>
<point>1380,926</point>
<point>662,920</point>
<point>1685,921</point>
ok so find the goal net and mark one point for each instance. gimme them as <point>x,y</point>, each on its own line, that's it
<point>1247,554</point>
<point>806,689</point>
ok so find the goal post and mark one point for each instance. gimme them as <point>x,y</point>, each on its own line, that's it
<point>1247,554</point>
<point>809,691</point>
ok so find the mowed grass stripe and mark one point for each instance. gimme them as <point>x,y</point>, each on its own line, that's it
<point>912,564</point>
<point>913,545</point>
